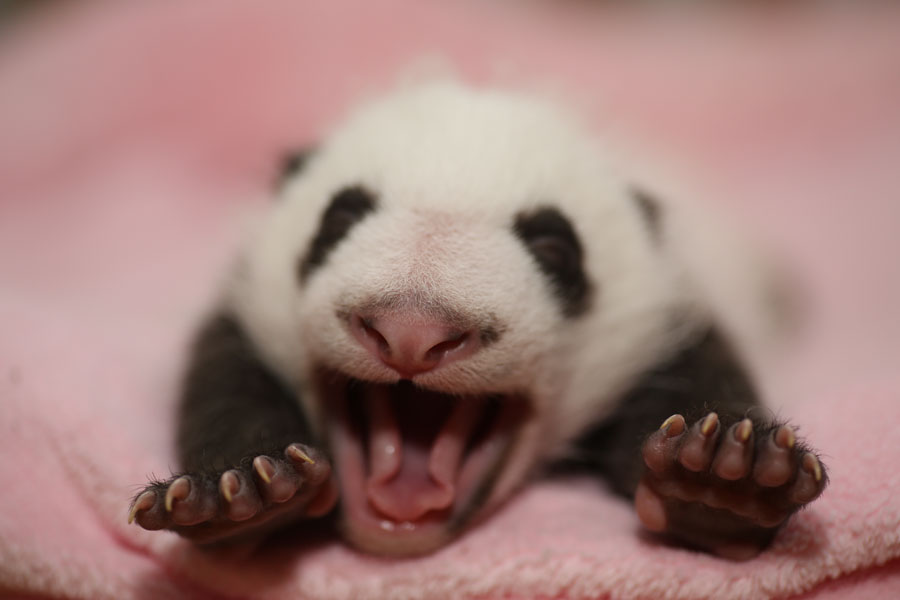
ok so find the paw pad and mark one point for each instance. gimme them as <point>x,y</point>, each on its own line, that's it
<point>719,486</point>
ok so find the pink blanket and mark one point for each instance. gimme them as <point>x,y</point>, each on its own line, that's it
<point>136,139</point>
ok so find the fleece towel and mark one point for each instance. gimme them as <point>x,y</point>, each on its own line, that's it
<point>137,138</point>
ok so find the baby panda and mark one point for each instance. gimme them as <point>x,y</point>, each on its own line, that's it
<point>455,293</point>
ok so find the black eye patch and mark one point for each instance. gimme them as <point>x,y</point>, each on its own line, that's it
<point>550,238</point>
<point>348,207</point>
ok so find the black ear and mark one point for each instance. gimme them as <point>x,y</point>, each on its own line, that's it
<point>292,164</point>
<point>650,210</point>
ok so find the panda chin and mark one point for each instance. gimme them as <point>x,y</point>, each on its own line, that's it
<point>414,465</point>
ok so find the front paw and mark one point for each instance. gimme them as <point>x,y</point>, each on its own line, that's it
<point>264,491</point>
<point>725,489</point>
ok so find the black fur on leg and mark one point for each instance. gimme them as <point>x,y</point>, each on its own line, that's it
<point>233,406</point>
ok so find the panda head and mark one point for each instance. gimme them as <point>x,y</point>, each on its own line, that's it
<point>456,284</point>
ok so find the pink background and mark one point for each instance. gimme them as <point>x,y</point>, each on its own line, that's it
<point>135,140</point>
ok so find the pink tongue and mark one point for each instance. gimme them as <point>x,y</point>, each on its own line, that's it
<point>407,477</point>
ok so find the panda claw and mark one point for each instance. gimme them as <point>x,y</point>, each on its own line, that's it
<point>178,490</point>
<point>240,493</point>
<point>709,424</point>
<point>295,452</point>
<point>810,480</point>
<point>143,502</point>
<point>659,448</point>
<point>734,456</point>
<point>280,479</point>
<point>264,468</point>
<point>229,485</point>
<point>148,509</point>
<point>775,459</point>
<point>811,465</point>
<point>309,462</point>
<point>673,426</point>
<point>699,445</point>
<point>784,437</point>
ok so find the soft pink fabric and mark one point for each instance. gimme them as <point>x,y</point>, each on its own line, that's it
<point>136,138</point>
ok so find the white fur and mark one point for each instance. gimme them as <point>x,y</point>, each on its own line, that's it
<point>451,167</point>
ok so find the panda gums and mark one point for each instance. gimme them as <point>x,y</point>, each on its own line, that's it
<point>453,294</point>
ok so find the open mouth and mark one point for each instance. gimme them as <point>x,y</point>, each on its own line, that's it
<point>414,464</point>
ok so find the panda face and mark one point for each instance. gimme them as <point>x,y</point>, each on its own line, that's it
<point>455,285</point>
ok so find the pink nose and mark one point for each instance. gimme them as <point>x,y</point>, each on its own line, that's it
<point>411,344</point>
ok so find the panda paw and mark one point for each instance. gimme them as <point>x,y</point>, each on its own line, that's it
<point>725,489</point>
<point>264,491</point>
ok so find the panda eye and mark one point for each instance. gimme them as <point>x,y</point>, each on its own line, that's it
<point>554,254</point>
<point>551,240</point>
<point>347,208</point>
